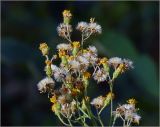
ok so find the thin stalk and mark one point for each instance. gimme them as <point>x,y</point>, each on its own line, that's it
<point>91,116</point>
<point>82,42</point>
<point>62,120</point>
<point>99,118</point>
<point>114,121</point>
<point>111,90</point>
<point>88,36</point>
<point>124,123</point>
<point>101,110</point>
<point>68,34</point>
<point>82,122</point>
<point>70,123</point>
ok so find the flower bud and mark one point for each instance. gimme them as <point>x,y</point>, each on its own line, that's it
<point>104,62</point>
<point>132,101</point>
<point>118,71</point>
<point>108,98</point>
<point>76,46</point>
<point>86,76</point>
<point>66,16</point>
<point>53,99</point>
<point>85,103</point>
<point>44,48</point>
<point>48,68</point>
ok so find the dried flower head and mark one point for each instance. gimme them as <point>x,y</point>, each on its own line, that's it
<point>93,27</point>
<point>98,102</point>
<point>128,112</point>
<point>82,26</point>
<point>45,85</point>
<point>128,63</point>
<point>64,46</point>
<point>100,75</point>
<point>64,29</point>
<point>115,61</point>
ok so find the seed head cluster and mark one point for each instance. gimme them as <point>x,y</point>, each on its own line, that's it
<point>67,83</point>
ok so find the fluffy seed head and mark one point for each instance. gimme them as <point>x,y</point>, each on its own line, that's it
<point>45,85</point>
<point>98,102</point>
<point>82,26</point>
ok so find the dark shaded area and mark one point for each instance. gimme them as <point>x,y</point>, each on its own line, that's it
<point>130,29</point>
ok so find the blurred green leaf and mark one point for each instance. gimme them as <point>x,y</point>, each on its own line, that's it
<point>113,44</point>
<point>145,74</point>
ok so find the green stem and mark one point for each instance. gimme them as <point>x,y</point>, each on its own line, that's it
<point>101,110</point>
<point>114,121</point>
<point>91,116</point>
<point>70,122</point>
<point>81,119</point>
<point>124,123</point>
<point>62,120</point>
<point>111,90</point>
<point>99,118</point>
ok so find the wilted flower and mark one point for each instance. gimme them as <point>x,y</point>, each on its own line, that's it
<point>45,85</point>
<point>64,46</point>
<point>94,28</point>
<point>82,26</point>
<point>128,64</point>
<point>69,108</point>
<point>54,68</point>
<point>92,49</point>
<point>60,74</point>
<point>100,75</point>
<point>98,102</point>
<point>128,111</point>
<point>63,29</point>
<point>115,61</point>
<point>136,118</point>
<point>83,60</point>
<point>75,65</point>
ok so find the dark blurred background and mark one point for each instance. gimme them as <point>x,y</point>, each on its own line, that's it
<point>130,30</point>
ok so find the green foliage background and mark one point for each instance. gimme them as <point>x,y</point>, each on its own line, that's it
<point>130,30</point>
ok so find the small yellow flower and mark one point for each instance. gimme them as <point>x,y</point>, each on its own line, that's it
<point>44,48</point>
<point>76,44</point>
<point>56,108</point>
<point>53,107</point>
<point>61,53</point>
<point>110,95</point>
<point>48,62</point>
<point>75,91</point>
<point>85,51</point>
<point>66,16</point>
<point>53,99</point>
<point>70,58</point>
<point>86,75</point>
<point>67,13</point>
<point>132,101</point>
<point>103,60</point>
